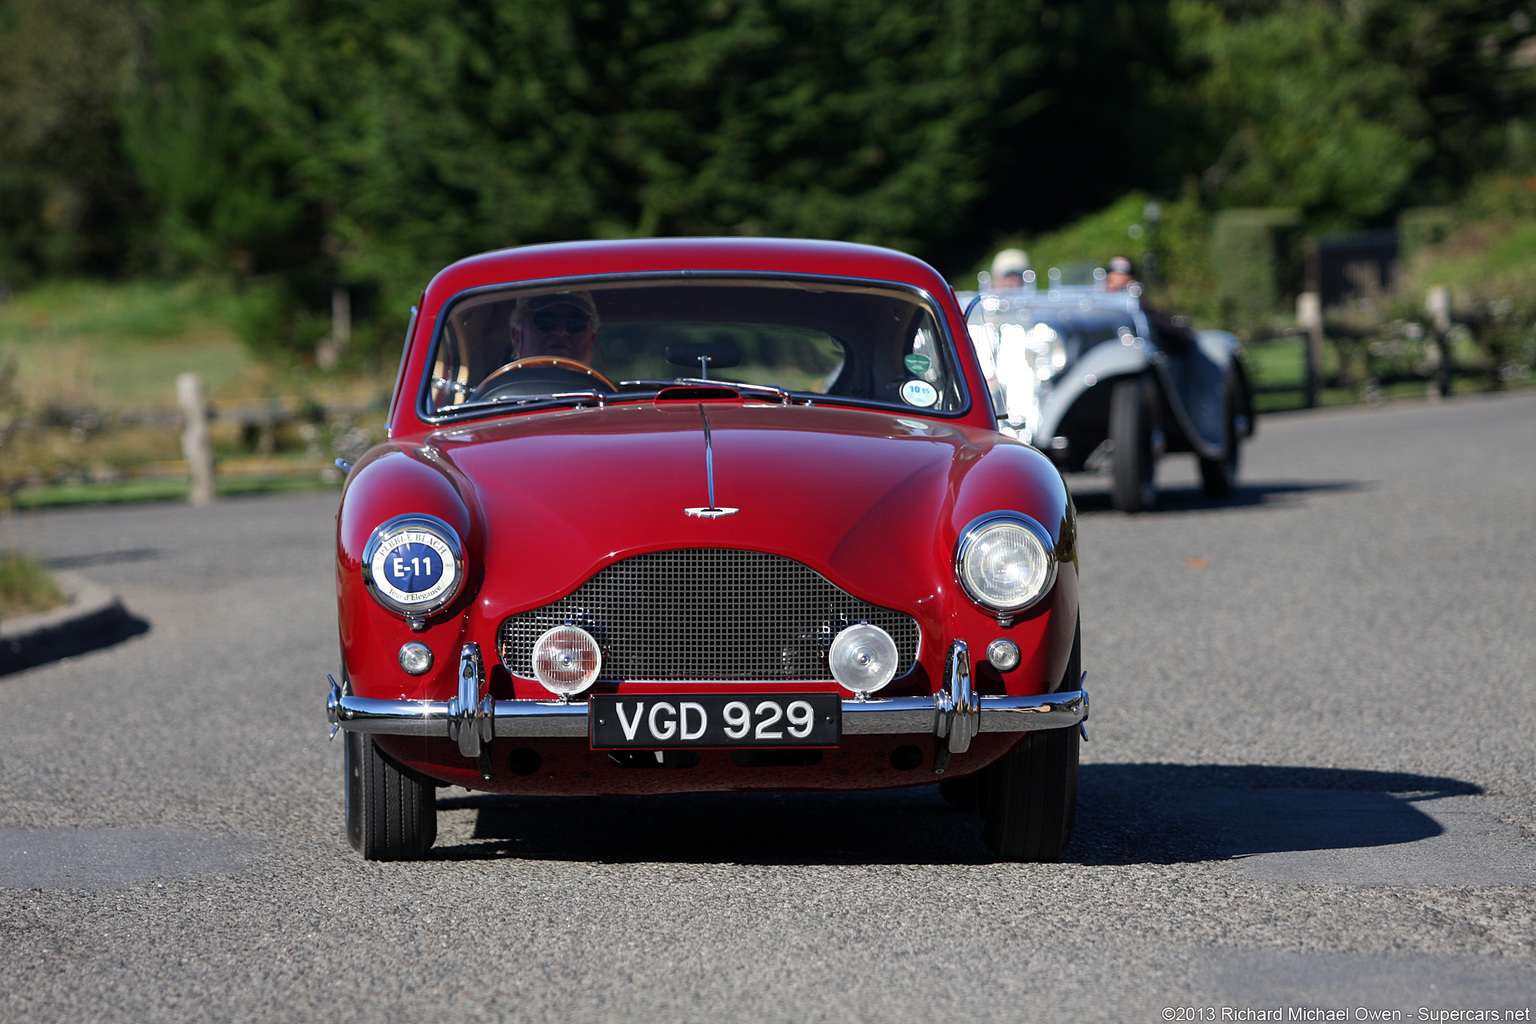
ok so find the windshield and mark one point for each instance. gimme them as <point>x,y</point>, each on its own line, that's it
<point>1023,346</point>
<point>791,339</point>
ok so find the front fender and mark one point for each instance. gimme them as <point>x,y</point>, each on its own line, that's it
<point>1099,364</point>
<point>1019,478</point>
<point>393,480</point>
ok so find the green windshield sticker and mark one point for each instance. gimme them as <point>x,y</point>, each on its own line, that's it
<point>917,363</point>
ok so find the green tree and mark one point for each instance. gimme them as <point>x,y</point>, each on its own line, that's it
<point>336,142</point>
<point>1351,109</point>
<point>66,205</point>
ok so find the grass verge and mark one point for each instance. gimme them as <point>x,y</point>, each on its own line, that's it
<point>26,586</point>
<point>163,489</point>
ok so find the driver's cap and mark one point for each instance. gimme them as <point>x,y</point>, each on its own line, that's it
<point>581,300</point>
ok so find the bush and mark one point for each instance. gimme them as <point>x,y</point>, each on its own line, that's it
<point>1420,227</point>
<point>1256,258</point>
<point>1489,266</point>
<point>1171,249</point>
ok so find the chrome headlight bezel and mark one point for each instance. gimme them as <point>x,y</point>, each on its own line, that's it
<point>966,547</point>
<point>414,528</point>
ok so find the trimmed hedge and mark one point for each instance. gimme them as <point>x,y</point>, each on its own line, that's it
<point>1256,256</point>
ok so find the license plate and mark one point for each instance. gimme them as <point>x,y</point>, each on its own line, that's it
<point>659,721</point>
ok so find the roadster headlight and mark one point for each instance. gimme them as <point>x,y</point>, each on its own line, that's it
<point>1048,351</point>
<point>1005,562</point>
<point>414,565</point>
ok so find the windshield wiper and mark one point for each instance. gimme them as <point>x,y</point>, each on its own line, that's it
<point>784,396</point>
<point>563,397</point>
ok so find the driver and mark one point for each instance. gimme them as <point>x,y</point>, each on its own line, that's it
<point>1173,334</point>
<point>561,324</point>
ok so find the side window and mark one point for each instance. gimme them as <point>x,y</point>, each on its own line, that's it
<point>927,382</point>
<point>450,371</point>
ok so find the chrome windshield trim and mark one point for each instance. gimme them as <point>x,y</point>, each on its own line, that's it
<point>935,307</point>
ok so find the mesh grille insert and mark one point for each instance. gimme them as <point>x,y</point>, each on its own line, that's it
<point>707,614</point>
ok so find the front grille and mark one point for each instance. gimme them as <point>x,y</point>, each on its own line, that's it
<point>707,614</point>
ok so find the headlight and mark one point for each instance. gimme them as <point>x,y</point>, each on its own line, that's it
<point>414,566</point>
<point>1005,562</point>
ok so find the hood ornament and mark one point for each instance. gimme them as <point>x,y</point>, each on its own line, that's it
<point>710,511</point>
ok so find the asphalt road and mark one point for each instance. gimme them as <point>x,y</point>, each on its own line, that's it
<point>1310,785</point>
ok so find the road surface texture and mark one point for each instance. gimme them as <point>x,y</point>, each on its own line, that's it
<point>1311,787</point>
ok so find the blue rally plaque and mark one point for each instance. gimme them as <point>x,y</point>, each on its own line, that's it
<point>413,568</point>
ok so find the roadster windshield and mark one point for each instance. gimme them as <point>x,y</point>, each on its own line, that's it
<point>790,338</point>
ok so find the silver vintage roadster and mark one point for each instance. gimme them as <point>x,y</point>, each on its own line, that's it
<point>1098,381</point>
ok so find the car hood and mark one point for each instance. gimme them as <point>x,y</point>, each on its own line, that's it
<point>866,498</point>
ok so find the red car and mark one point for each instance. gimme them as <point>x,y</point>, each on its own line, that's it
<point>681,515</point>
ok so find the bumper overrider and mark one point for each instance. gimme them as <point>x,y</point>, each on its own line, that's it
<point>955,714</point>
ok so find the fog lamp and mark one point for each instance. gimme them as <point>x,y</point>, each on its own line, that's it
<point>863,658</point>
<point>1003,655</point>
<point>416,659</point>
<point>566,660</point>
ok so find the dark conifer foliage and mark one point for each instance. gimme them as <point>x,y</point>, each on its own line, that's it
<point>310,145</point>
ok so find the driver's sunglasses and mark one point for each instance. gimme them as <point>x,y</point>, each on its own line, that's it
<point>547,320</point>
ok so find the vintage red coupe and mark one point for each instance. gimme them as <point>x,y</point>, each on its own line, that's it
<point>680,515</point>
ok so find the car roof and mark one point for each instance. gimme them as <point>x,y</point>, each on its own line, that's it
<point>619,257</point>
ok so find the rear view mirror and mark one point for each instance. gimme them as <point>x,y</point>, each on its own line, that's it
<point>704,354</point>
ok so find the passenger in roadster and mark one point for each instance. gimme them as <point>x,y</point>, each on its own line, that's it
<point>1173,333</point>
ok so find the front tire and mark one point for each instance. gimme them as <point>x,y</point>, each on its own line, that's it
<point>1130,428</point>
<point>1219,476</point>
<point>1027,801</point>
<point>391,815</point>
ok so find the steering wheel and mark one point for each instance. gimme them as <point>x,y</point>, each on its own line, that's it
<point>537,375</point>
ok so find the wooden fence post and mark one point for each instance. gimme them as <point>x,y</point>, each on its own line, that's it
<point>1309,317</point>
<point>330,348</point>
<point>1438,304</point>
<point>196,442</point>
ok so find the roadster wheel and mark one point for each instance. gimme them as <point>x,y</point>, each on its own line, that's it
<point>1130,428</point>
<point>391,815</point>
<point>1219,476</point>
<point>1027,801</point>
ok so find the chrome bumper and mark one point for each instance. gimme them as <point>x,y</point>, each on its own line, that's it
<point>955,714</point>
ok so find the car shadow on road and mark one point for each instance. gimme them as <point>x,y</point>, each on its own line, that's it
<point>96,558</point>
<point>1094,496</point>
<point>1127,814</point>
<point>109,626</point>
<point>902,826</point>
<point>1174,813</point>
